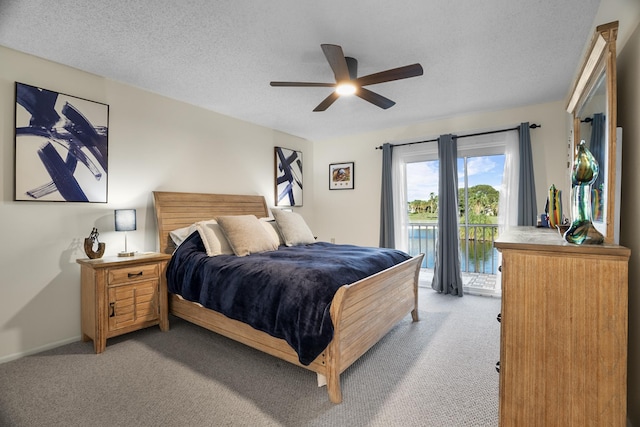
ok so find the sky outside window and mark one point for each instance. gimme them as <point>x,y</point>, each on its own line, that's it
<point>422,177</point>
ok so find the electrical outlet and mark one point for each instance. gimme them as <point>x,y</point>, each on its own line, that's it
<point>333,240</point>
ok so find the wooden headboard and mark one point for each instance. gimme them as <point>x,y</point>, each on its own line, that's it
<point>176,210</point>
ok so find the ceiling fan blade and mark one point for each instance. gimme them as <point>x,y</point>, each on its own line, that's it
<point>374,98</point>
<point>302,84</point>
<point>327,102</point>
<point>336,59</point>
<point>352,66</point>
<point>399,73</point>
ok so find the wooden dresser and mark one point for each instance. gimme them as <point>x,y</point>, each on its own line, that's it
<point>563,342</point>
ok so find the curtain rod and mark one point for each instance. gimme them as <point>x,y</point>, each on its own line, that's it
<point>531,126</point>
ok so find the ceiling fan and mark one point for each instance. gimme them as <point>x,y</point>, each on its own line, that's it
<point>347,82</point>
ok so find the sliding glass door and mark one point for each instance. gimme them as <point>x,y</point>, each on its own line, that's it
<point>479,182</point>
<point>488,169</point>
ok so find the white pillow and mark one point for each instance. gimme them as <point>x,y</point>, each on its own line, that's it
<point>293,229</point>
<point>213,238</point>
<point>272,228</point>
<point>180,234</point>
<point>246,234</point>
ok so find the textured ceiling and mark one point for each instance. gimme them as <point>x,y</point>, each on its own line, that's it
<point>221,55</point>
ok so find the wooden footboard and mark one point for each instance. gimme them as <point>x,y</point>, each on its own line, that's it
<point>363,312</point>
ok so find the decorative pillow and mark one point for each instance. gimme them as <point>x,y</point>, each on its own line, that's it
<point>246,234</point>
<point>293,229</point>
<point>180,234</point>
<point>213,238</point>
<point>272,228</point>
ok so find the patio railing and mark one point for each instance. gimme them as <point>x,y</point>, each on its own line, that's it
<point>477,254</point>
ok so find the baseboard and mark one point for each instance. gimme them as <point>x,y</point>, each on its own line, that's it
<point>49,346</point>
<point>481,292</point>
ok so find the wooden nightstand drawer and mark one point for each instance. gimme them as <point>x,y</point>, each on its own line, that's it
<point>134,304</point>
<point>133,273</point>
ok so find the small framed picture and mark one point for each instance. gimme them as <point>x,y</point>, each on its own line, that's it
<point>341,176</point>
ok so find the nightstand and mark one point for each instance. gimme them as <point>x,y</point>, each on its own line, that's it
<point>121,295</point>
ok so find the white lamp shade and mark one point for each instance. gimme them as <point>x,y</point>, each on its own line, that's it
<point>125,219</point>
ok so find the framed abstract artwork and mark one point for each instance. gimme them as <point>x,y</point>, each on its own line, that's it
<point>288,177</point>
<point>341,176</point>
<point>61,147</point>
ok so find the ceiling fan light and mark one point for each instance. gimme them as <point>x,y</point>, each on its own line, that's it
<point>346,89</point>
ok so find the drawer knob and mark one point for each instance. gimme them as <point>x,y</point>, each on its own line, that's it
<point>132,275</point>
<point>112,309</point>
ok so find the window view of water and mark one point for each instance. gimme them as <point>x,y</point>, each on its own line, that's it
<point>476,255</point>
<point>479,181</point>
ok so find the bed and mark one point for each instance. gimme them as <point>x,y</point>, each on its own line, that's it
<point>361,312</point>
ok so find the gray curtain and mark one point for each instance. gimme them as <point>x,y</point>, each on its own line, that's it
<point>387,239</point>
<point>596,145</point>
<point>446,274</point>
<point>527,209</point>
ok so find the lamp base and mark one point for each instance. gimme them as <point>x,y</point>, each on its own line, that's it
<point>126,253</point>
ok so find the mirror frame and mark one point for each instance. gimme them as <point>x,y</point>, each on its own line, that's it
<point>600,57</point>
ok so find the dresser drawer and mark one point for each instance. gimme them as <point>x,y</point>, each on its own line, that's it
<point>133,273</point>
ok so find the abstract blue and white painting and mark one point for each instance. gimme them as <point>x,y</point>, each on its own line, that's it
<point>61,147</point>
<point>288,177</point>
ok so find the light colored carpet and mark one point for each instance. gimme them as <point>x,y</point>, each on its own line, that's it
<point>436,372</point>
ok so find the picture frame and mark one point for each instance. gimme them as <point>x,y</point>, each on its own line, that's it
<point>288,177</point>
<point>61,147</point>
<point>341,176</point>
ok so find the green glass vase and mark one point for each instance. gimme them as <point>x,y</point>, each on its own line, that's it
<point>585,172</point>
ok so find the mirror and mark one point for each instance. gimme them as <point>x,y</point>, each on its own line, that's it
<point>593,131</point>
<point>592,104</point>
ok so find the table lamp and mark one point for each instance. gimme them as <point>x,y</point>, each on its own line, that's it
<point>125,220</point>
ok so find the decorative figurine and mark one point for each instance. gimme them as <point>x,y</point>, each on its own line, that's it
<point>89,243</point>
<point>555,207</point>
<point>585,172</point>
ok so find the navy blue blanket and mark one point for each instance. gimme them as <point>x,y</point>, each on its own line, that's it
<point>286,293</point>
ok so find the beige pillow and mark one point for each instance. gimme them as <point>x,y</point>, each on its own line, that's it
<point>293,228</point>
<point>180,234</point>
<point>272,228</point>
<point>246,234</point>
<point>213,238</point>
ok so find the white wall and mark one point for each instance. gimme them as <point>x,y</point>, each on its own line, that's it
<point>154,144</point>
<point>353,216</point>
<point>628,107</point>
